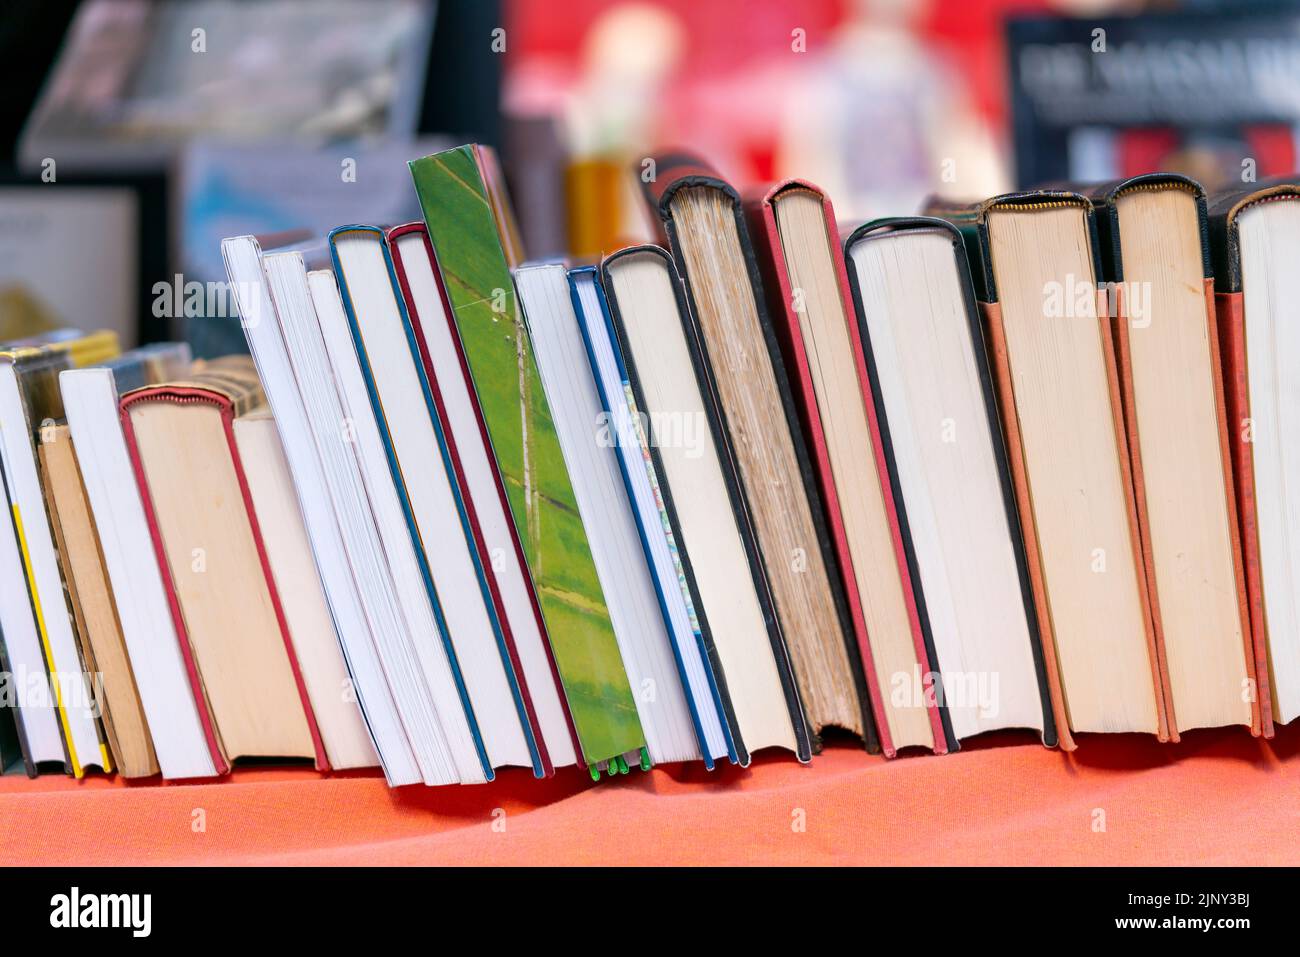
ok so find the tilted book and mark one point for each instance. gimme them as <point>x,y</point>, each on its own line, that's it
<point>489,524</point>
<point>947,461</point>
<point>705,227</point>
<point>812,314</point>
<point>703,505</point>
<point>471,231</point>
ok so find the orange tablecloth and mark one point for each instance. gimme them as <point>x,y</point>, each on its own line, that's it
<point>1220,797</point>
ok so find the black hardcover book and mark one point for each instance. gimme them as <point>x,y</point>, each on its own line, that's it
<point>877,230</point>
<point>704,223</point>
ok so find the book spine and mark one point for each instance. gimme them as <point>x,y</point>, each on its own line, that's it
<point>997,347</point>
<point>1115,332</point>
<point>1232,337</point>
<point>467,220</point>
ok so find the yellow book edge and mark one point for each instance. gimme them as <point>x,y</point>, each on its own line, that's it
<point>78,771</point>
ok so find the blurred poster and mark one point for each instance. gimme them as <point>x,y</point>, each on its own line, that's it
<point>136,78</point>
<point>68,257</point>
<point>1213,95</point>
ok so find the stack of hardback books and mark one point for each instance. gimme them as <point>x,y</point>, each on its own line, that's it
<point>1018,464</point>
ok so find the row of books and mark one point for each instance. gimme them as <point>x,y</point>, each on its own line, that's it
<point>1016,464</point>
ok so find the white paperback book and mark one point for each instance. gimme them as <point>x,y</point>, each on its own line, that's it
<point>420,661</point>
<point>90,401</point>
<point>271,327</point>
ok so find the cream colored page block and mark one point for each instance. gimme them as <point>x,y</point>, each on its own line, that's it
<point>316,645</point>
<point>949,478</point>
<point>694,475</point>
<point>765,456</point>
<point>218,579</point>
<point>1270,263</point>
<point>1075,475</point>
<point>823,324</point>
<point>1182,461</point>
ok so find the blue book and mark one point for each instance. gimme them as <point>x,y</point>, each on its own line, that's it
<point>627,432</point>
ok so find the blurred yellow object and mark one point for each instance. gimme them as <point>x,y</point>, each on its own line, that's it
<point>92,348</point>
<point>594,194</point>
<point>22,314</point>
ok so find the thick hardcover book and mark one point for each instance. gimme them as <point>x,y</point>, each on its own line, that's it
<point>99,630</point>
<point>470,230</point>
<point>704,222</point>
<point>968,332</point>
<point>1250,284</point>
<point>1156,261</point>
<point>1036,266</point>
<point>791,313</point>
<point>251,696</point>
<point>712,592</point>
<point>487,508</point>
<point>29,396</point>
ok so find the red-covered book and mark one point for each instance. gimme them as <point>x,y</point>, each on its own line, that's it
<point>493,533</point>
<point>809,300</point>
<point>243,671</point>
<point>1252,233</point>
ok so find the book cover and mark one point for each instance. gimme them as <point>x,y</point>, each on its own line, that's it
<point>465,228</point>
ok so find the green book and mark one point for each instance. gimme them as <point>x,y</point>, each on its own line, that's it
<point>472,233</point>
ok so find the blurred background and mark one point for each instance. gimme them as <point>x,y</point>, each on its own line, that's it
<point>136,134</point>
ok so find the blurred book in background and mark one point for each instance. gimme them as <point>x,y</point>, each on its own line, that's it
<point>282,189</point>
<point>134,78</point>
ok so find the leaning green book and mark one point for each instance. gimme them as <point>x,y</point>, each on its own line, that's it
<point>473,236</point>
